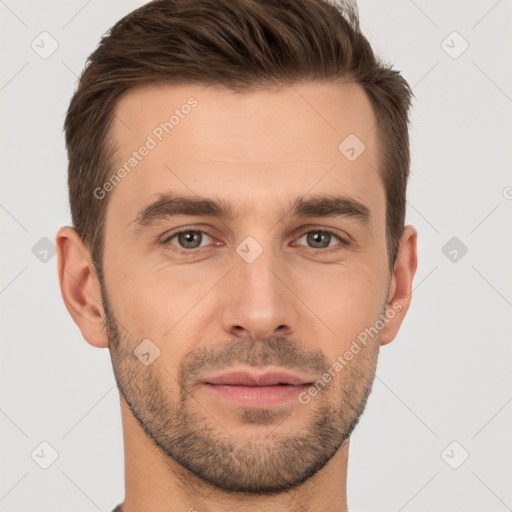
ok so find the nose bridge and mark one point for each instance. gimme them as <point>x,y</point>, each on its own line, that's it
<point>257,300</point>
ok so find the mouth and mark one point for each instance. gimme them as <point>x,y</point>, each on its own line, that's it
<point>257,390</point>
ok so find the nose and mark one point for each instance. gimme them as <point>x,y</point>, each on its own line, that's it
<point>258,301</point>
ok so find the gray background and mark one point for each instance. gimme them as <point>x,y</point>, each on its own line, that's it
<point>445,379</point>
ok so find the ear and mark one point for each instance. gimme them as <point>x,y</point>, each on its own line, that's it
<point>80,287</point>
<point>400,290</point>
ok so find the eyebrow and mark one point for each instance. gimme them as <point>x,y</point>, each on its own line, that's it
<point>168,205</point>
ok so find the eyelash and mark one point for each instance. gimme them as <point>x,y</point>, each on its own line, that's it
<point>190,252</point>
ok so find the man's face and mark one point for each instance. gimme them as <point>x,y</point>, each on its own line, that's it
<point>270,289</point>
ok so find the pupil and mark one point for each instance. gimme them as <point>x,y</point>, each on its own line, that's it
<point>317,238</point>
<point>187,239</point>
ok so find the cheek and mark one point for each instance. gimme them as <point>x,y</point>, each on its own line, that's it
<point>346,299</point>
<point>137,303</point>
<point>167,305</point>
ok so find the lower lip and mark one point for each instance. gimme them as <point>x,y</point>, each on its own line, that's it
<point>258,397</point>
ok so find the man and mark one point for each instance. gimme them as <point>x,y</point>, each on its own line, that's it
<point>237,180</point>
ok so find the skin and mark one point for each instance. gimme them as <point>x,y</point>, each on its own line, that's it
<point>213,311</point>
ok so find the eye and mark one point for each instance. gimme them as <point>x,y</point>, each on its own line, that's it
<point>189,239</point>
<point>321,239</point>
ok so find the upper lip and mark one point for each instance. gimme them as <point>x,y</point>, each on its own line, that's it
<point>245,378</point>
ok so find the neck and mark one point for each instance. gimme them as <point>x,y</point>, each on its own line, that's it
<point>157,483</point>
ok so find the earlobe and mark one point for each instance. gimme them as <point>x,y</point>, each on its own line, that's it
<point>80,287</point>
<point>400,291</point>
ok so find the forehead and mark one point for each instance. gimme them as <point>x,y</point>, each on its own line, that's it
<point>251,148</point>
<point>319,113</point>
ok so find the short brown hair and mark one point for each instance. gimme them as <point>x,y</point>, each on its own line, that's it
<point>241,45</point>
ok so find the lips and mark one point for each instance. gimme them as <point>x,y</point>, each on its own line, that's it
<point>248,389</point>
<point>244,378</point>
